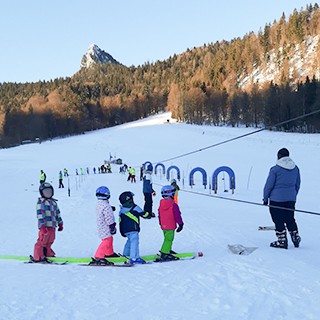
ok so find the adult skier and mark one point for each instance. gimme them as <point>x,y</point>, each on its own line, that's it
<point>280,190</point>
<point>148,190</point>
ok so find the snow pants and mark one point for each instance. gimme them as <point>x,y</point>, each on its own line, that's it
<point>167,241</point>
<point>131,248</point>
<point>283,218</point>
<point>105,248</point>
<point>148,202</point>
<point>42,248</point>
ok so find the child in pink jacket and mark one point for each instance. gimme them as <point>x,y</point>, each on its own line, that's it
<point>169,218</point>
<point>106,224</point>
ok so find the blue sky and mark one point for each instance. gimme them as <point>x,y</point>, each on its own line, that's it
<point>43,40</point>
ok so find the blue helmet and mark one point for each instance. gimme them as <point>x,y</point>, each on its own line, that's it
<point>103,193</point>
<point>168,191</point>
<point>149,167</point>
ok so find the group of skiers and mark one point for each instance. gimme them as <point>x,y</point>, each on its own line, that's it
<point>170,220</point>
<point>279,194</point>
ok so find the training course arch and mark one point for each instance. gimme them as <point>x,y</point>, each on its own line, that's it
<point>232,179</point>
<point>173,168</point>
<point>204,176</point>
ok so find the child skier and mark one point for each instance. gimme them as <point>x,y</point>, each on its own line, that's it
<point>48,215</point>
<point>169,217</point>
<point>106,226</point>
<point>129,224</point>
<point>176,187</point>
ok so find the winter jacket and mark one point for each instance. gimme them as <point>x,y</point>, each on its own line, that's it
<point>129,219</point>
<point>169,214</point>
<point>105,218</point>
<point>48,213</point>
<point>147,183</point>
<point>283,182</point>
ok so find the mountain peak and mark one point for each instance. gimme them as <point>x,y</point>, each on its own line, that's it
<point>95,55</point>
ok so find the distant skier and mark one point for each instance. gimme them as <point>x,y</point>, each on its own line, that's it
<point>106,225</point>
<point>177,189</point>
<point>65,172</point>
<point>169,218</point>
<point>48,215</point>
<point>60,180</point>
<point>43,177</point>
<point>281,189</point>
<point>129,224</point>
<point>148,190</point>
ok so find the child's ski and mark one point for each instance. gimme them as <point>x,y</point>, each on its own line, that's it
<point>103,263</point>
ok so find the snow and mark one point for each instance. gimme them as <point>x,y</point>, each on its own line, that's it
<point>267,284</point>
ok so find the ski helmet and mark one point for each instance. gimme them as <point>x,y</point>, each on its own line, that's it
<point>103,193</point>
<point>126,198</point>
<point>173,181</point>
<point>167,191</point>
<point>46,190</point>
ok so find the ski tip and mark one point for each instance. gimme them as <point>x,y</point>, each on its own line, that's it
<point>200,254</point>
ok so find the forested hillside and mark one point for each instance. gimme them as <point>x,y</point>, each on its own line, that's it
<point>213,84</point>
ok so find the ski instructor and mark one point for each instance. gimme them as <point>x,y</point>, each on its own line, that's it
<point>280,190</point>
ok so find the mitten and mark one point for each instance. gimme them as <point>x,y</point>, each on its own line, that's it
<point>180,227</point>
<point>44,230</point>
<point>113,229</point>
<point>113,208</point>
<point>60,227</point>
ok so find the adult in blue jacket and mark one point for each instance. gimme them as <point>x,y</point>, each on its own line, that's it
<point>280,191</point>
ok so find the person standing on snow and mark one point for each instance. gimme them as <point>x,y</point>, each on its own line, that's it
<point>60,180</point>
<point>106,225</point>
<point>43,177</point>
<point>169,218</point>
<point>176,187</point>
<point>148,190</point>
<point>48,215</point>
<point>281,190</point>
<point>129,224</point>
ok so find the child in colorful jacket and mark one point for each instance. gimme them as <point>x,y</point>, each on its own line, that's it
<point>129,224</point>
<point>169,218</point>
<point>106,224</point>
<point>48,215</point>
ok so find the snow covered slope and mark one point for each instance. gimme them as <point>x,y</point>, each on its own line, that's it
<point>267,284</point>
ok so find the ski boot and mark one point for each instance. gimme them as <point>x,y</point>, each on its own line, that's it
<point>100,262</point>
<point>114,255</point>
<point>282,241</point>
<point>296,239</point>
<point>43,260</point>
<point>137,261</point>
<point>167,257</point>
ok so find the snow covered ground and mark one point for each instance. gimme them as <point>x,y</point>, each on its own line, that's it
<point>267,284</point>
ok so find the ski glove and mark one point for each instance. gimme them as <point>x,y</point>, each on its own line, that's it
<point>153,193</point>
<point>60,227</point>
<point>113,229</point>
<point>180,227</point>
<point>113,208</point>
<point>265,202</point>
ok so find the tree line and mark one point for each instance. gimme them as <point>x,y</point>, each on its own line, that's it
<point>202,85</point>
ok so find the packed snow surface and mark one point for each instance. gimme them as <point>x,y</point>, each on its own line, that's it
<point>266,284</point>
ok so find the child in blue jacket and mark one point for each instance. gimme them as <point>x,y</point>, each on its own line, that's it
<point>129,224</point>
